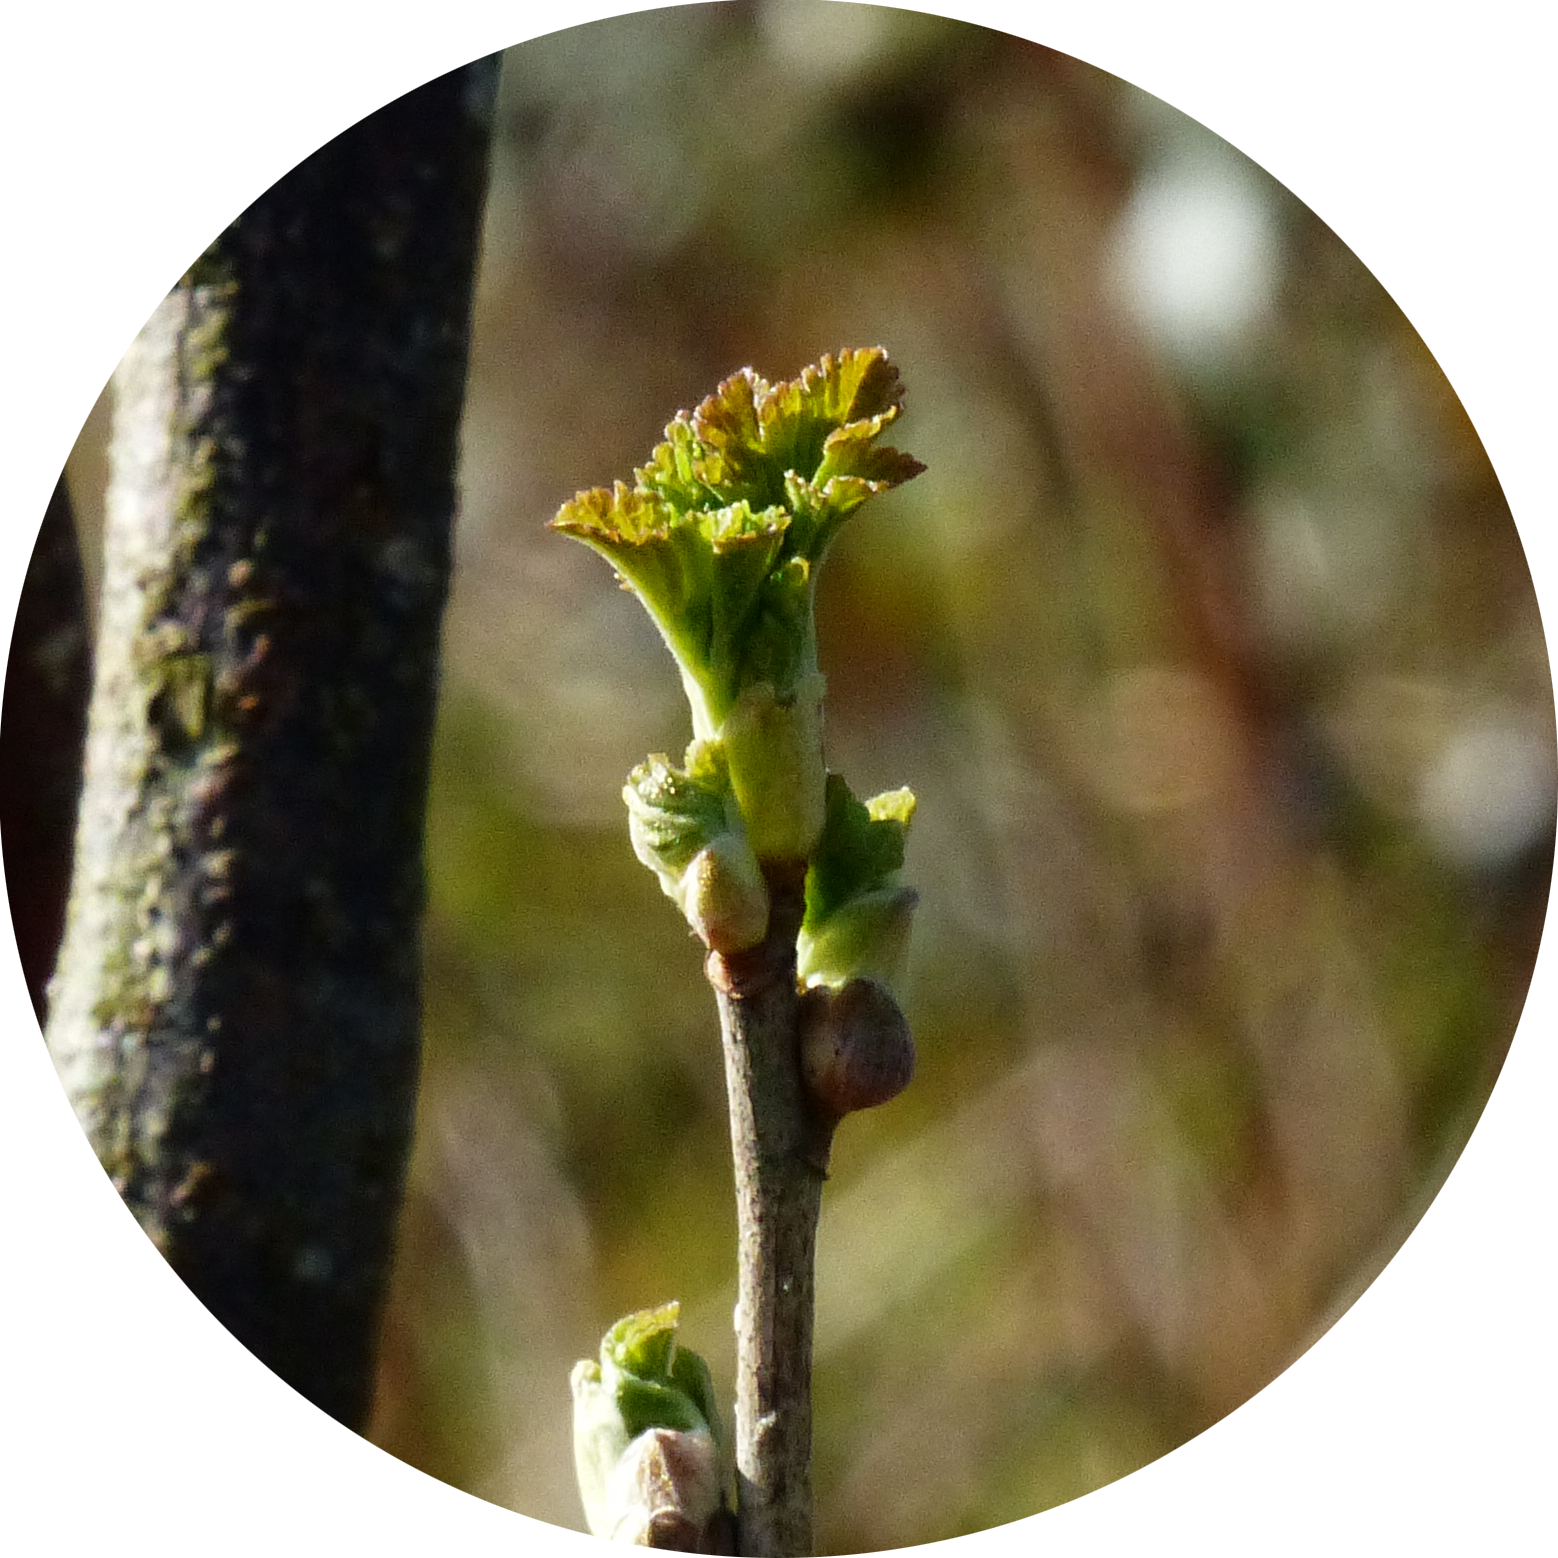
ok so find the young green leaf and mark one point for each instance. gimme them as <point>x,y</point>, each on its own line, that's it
<point>857,917</point>
<point>720,536</point>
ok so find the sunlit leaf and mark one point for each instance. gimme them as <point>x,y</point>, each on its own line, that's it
<point>720,537</point>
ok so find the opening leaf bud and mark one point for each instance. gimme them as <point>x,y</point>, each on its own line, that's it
<point>646,1434</point>
<point>687,828</point>
<point>858,916</point>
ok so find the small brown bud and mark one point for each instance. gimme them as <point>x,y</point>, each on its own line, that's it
<point>856,1048</point>
<point>724,896</point>
<point>665,1490</point>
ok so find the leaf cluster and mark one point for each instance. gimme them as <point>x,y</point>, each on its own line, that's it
<point>723,528</point>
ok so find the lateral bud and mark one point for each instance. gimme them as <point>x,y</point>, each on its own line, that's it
<point>686,827</point>
<point>724,897</point>
<point>666,1492</point>
<point>858,915</point>
<point>647,1440</point>
<point>856,1048</point>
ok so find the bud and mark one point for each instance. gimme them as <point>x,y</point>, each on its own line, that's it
<point>665,1490</point>
<point>724,897</point>
<point>646,1435</point>
<point>858,917</point>
<point>686,827</point>
<point>866,937</point>
<point>773,743</point>
<point>856,1048</point>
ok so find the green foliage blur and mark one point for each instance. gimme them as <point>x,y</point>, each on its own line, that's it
<point>1220,644</point>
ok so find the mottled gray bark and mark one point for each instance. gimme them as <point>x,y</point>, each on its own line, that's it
<point>781,1151</point>
<point>237,1005</point>
<point>42,664</point>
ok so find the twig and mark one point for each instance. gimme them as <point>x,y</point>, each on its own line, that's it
<point>780,1149</point>
<point>781,872</point>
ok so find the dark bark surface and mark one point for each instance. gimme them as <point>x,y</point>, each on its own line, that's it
<point>237,1007</point>
<point>42,664</point>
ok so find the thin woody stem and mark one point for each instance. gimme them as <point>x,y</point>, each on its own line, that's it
<point>780,1149</point>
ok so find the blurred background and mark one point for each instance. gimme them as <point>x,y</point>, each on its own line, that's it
<point>1207,644</point>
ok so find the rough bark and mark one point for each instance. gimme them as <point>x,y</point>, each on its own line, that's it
<point>42,664</point>
<point>781,1151</point>
<point>237,1006</point>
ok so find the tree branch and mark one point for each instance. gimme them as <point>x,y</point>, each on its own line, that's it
<point>42,664</point>
<point>236,1013</point>
<point>780,1148</point>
